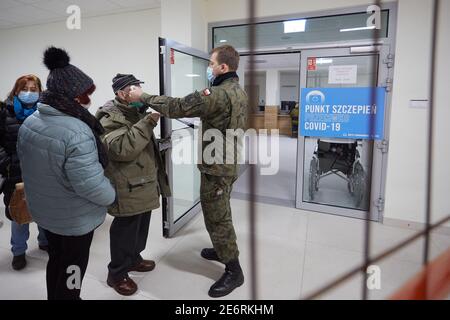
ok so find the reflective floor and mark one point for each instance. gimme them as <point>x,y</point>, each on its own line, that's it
<point>297,252</point>
<point>278,188</point>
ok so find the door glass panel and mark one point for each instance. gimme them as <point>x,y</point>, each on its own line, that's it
<point>188,73</point>
<point>277,34</point>
<point>337,172</point>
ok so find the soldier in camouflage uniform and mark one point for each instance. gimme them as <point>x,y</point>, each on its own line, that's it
<point>222,107</point>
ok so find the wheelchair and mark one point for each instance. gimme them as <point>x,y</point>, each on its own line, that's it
<point>342,158</point>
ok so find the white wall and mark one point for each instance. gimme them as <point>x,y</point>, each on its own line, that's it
<point>185,22</point>
<point>405,189</point>
<point>260,81</point>
<point>273,83</point>
<point>408,156</point>
<point>287,78</point>
<point>287,92</point>
<point>102,48</point>
<point>199,25</point>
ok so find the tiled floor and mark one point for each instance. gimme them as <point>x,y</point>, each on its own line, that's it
<point>282,184</point>
<point>298,252</point>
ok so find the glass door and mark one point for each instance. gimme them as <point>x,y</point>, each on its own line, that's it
<point>339,175</point>
<point>182,71</point>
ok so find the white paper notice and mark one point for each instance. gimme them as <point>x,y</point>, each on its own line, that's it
<point>343,74</point>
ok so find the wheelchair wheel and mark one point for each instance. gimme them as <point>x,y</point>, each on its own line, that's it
<point>313,177</point>
<point>358,181</point>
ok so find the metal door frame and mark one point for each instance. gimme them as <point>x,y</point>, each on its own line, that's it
<point>379,152</point>
<point>170,227</point>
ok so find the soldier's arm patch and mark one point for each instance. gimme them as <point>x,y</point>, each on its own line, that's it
<point>206,92</point>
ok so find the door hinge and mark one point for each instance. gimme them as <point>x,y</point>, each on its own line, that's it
<point>163,49</point>
<point>383,146</point>
<point>379,203</point>
<point>389,61</point>
<point>388,84</point>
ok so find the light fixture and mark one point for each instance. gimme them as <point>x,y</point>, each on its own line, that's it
<point>294,26</point>
<point>324,61</point>
<point>192,75</point>
<point>358,29</point>
<point>223,41</point>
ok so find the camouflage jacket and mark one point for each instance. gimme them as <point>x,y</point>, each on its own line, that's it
<point>136,169</point>
<point>221,107</point>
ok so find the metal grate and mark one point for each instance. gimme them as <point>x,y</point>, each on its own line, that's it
<point>367,238</point>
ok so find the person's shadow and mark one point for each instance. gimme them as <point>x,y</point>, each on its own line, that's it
<point>192,262</point>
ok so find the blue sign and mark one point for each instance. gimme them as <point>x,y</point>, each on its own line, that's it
<point>347,113</point>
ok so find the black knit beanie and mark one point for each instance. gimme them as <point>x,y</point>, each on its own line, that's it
<point>64,78</point>
<point>121,81</point>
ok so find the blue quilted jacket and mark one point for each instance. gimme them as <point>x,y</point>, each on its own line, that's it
<point>66,190</point>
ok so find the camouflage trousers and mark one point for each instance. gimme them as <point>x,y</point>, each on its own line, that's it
<point>215,199</point>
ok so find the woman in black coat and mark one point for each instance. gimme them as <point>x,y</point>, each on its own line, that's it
<point>21,103</point>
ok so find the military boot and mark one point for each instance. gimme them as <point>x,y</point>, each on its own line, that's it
<point>209,254</point>
<point>230,280</point>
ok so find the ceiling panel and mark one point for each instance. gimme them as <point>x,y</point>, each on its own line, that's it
<point>137,3</point>
<point>89,7</point>
<point>8,4</point>
<point>20,13</point>
<point>56,6</point>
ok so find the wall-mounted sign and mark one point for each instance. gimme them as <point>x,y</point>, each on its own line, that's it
<point>351,113</point>
<point>343,74</point>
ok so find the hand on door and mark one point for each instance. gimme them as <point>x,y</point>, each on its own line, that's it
<point>155,116</point>
<point>136,93</point>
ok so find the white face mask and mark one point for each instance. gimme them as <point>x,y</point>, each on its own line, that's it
<point>86,106</point>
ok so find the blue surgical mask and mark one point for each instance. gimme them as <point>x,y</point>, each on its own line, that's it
<point>28,97</point>
<point>211,76</point>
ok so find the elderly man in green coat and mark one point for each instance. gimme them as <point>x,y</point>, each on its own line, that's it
<point>136,170</point>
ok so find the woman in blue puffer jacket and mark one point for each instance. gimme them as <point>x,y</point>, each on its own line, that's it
<point>63,161</point>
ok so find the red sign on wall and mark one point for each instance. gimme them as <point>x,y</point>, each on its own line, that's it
<point>312,64</point>
<point>172,56</point>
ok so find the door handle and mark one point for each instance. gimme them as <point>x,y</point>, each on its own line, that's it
<point>165,144</point>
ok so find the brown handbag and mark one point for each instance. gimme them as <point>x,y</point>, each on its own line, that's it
<point>18,208</point>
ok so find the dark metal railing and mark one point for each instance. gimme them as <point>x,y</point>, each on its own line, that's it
<point>252,95</point>
<point>367,230</point>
